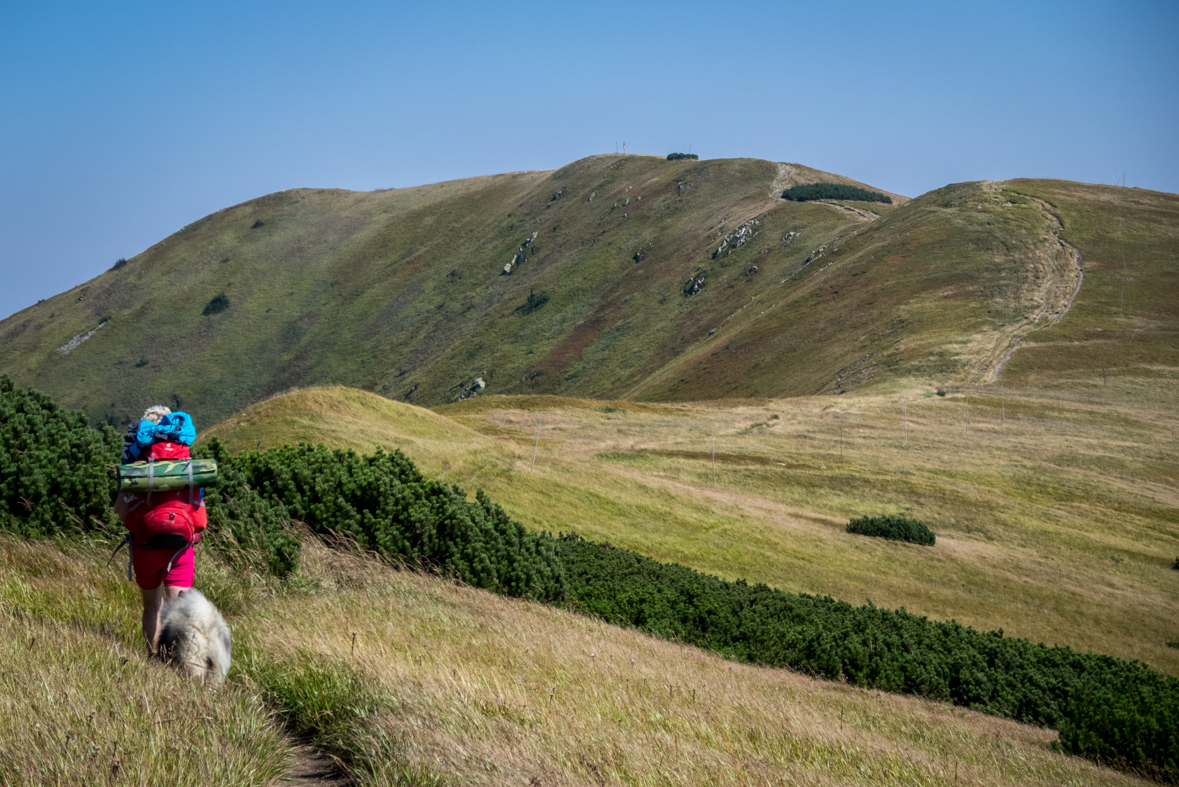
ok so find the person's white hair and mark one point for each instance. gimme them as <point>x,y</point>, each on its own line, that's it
<point>156,412</point>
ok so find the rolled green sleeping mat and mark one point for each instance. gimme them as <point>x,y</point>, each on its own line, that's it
<point>167,476</point>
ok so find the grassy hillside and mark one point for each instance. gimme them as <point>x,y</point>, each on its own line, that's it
<point>1056,519</point>
<point>1126,315</point>
<point>410,679</point>
<point>403,292</point>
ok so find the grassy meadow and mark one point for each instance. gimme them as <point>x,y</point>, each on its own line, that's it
<point>408,679</point>
<point>1055,517</point>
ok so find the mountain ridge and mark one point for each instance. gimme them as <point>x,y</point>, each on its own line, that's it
<point>612,277</point>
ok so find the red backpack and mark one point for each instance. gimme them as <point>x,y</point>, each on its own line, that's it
<point>163,520</point>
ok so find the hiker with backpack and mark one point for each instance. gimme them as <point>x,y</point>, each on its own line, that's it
<point>163,526</point>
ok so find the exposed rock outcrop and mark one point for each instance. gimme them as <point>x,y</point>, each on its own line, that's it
<point>737,239</point>
<point>73,343</point>
<point>518,257</point>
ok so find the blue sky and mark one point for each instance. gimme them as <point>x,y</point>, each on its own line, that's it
<point>121,122</point>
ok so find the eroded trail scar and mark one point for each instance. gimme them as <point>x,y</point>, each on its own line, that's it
<point>780,180</point>
<point>1058,295</point>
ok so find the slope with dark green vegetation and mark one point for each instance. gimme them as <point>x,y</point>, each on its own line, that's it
<point>833,191</point>
<point>627,277</point>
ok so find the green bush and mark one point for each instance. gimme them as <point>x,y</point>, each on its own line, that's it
<point>119,263</point>
<point>385,504</point>
<point>219,304</point>
<point>250,528</point>
<point>56,472</point>
<point>678,156</point>
<point>813,191</point>
<point>533,303</point>
<point>894,528</point>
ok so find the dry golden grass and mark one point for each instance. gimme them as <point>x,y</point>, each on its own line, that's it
<point>470,688</point>
<point>497,691</point>
<point>80,706</point>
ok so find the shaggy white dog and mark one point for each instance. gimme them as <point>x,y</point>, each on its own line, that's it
<point>194,637</point>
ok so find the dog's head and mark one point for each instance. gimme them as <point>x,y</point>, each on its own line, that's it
<point>195,638</point>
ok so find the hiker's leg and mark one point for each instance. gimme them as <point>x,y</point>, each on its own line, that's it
<point>153,601</point>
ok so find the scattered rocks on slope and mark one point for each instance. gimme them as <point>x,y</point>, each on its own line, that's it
<point>694,285</point>
<point>73,343</point>
<point>473,390</point>
<point>518,257</point>
<point>737,239</point>
<point>558,195</point>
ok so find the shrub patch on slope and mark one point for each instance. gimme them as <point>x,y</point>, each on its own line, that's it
<point>813,191</point>
<point>894,528</point>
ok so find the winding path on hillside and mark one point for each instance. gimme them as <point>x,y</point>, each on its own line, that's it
<point>1065,281</point>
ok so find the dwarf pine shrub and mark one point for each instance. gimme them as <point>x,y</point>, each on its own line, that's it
<point>56,472</point>
<point>218,304</point>
<point>383,502</point>
<point>813,191</point>
<point>894,528</point>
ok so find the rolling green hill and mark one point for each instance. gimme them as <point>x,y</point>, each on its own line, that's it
<point>621,269</point>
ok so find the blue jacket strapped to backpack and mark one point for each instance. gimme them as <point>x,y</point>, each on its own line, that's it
<point>173,428</point>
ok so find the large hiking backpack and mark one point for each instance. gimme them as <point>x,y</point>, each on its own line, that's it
<point>161,500</point>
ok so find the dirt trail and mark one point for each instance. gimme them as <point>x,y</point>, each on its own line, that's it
<point>785,175</point>
<point>310,766</point>
<point>1055,300</point>
<point>857,213</point>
